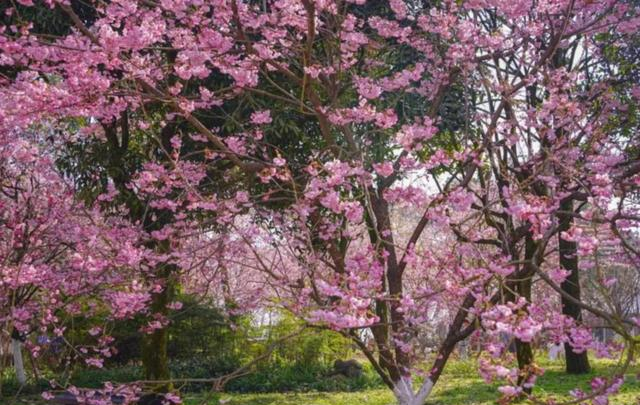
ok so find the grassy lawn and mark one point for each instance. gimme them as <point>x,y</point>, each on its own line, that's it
<point>459,385</point>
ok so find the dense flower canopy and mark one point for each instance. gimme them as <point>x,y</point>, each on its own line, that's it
<point>60,257</point>
<point>373,168</point>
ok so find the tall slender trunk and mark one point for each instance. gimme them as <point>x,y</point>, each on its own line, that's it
<point>18,363</point>
<point>524,351</point>
<point>154,345</point>
<point>519,285</point>
<point>524,354</point>
<point>154,351</point>
<point>576,363</point>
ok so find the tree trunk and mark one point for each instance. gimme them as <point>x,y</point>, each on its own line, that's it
<point>154,345</point>
<point>577,363</point>
<point>524,351</point>
<point>154,348</point>
<point>18,363</point>
<point>457,332</point>
<point>405,395</point>
<point>519,285</point>
<point>154,356</point>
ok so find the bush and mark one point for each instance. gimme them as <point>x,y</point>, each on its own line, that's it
<point>10,386</point>
<point>301,378</point>
<point>95,377</point>
<point>269,377</point>
<point>202,344</point>
<point>201,368</point>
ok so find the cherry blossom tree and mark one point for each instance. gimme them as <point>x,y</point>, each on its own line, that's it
<point>307,223</point>
<point>59,257</point>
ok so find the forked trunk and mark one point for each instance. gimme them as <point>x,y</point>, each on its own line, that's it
<point>458,331</point>
<point>404,393</point>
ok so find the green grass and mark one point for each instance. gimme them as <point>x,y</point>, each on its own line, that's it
<point>459,385</point>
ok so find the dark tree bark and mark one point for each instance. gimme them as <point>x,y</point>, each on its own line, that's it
<point>154,347</point>
<point>519,285</point>
<point>524,351</point>
<point>577,363</point>
<point>391,357</point>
